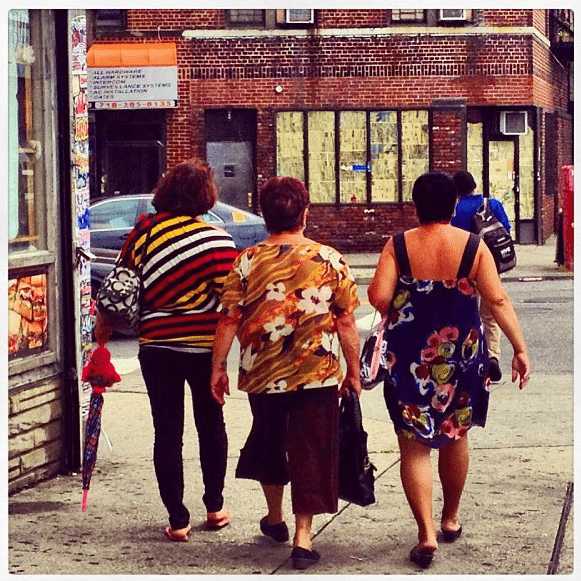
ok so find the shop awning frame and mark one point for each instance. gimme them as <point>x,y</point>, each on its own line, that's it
<point>127,55</point>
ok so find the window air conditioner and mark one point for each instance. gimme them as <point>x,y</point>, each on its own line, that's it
<point>299,16</point>
<point>452,14</point>
<point>513,122</point>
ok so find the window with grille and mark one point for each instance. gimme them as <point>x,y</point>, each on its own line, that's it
<point>407,15</point>
<point>245,17</point>
<point>107,21</point>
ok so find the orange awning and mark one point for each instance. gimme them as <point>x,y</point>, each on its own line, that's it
<point>149,54</point>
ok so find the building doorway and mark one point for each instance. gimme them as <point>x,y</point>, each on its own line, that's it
<point>129,152</point>
<point>230,150</point>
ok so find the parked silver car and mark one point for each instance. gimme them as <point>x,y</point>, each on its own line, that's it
<point>113,218</point>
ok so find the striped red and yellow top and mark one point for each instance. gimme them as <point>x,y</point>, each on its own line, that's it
<point>186,263</point>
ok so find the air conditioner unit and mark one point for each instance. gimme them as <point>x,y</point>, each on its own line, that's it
<point>299,16</point>
<point>452,14</point>
<point>513,122</point>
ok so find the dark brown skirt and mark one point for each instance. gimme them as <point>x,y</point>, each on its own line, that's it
<point>295,438</point>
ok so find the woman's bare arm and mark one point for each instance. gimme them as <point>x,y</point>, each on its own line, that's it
<point>500,305</point>
<point>382,287</point>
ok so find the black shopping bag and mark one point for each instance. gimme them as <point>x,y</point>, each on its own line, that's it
<point>356,479</point>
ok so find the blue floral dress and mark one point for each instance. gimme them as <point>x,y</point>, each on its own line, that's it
<point>436,354</point>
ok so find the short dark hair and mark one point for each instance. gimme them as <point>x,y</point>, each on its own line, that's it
<point>434,195</point>
<point>283,201</point>
<point>465,183</point>
<point>187,189</point>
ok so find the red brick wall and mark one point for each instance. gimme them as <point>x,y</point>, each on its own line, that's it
<point>353,229</point>
<point>506,17</point>
<point>351,18</point>
<point>447,140</point>
<point>551,82</point>
<point>172,19</point>
<point>541,21</point>
<point>398,55</point>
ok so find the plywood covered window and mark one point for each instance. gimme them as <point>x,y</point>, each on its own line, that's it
<point>354,156</point>
<point>290,145</point>
<point>321,155</point>
<point>415,149</point>
<point>475,153</point>
<point>384,156</point>
<point>526,175</point>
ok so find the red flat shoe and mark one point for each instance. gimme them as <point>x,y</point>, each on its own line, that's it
<point>178,535</point>
<point>217,520</point>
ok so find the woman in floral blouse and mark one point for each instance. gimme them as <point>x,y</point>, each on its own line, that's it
<point>290,302</point>
<point>426,280</point>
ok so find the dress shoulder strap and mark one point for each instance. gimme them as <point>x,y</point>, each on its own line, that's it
<point>401,254</point>
<point>468,256</point>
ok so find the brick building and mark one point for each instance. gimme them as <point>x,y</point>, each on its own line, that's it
<point>357,103</point>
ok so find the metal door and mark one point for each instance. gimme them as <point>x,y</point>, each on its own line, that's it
<point>233,171</point>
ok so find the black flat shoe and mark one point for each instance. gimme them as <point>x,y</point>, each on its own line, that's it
<point>303,558</point>
<point>494,371</point>
<point>422,558</point>
<point>278,532</point>
<point>451,536</point>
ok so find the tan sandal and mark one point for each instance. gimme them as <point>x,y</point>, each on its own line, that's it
<point>217,520</point>
<point>178,535</point>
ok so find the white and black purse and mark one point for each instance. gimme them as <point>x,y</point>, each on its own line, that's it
<point>118,298</point>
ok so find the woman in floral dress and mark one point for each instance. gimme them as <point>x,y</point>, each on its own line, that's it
<point>426,280</point>
<point>290,302</point>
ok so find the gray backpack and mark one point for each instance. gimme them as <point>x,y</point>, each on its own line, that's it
<point>490,229</point>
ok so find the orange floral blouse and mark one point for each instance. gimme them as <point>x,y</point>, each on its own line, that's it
<point>285,299</point>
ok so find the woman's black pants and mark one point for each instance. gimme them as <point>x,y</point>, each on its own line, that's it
<point>165,372</point>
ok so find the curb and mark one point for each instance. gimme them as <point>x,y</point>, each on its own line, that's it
<point>366,280</point>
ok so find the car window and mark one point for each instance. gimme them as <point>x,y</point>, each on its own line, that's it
<point>113,214</point>
<point>209,217</point>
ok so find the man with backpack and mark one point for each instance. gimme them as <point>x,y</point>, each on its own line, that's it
<point>468,204</point>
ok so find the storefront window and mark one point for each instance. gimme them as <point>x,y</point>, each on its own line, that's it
<point>415,149</point>
<point>290,145</point>
<point>384,156</point>
<point>398,144</point>
<point>321,150</point>
<point>353,148</point>
<point>25,203</point>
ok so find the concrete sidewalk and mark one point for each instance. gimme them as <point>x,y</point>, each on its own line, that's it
<point>512,508</point>
<point>513,511</point>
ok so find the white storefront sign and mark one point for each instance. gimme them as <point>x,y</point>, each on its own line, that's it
<point>142,86</point>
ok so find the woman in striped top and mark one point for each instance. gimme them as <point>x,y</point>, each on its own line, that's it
<point>185,265</point>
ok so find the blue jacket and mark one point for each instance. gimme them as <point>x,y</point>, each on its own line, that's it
<point>467,206</point>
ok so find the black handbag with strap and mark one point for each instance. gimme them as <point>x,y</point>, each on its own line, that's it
<point>356,479</point>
